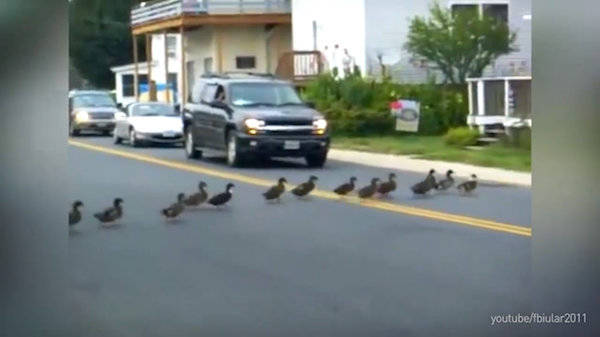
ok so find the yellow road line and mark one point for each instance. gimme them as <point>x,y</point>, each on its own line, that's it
<point>376,204</point>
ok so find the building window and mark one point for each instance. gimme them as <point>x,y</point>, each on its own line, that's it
<point>171,46</point>
<point>499,12</point>
<point>128,85</point>
<point>245,62</point>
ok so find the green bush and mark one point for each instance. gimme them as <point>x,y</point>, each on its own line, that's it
<point>462,136</point>
<point>355,105</point>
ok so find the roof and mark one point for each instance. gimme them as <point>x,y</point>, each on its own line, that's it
<point>243,77</point>
<point>131,67</point>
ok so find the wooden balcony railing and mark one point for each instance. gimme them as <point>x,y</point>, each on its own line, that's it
<point>164,9</point>
<point>300,66</point>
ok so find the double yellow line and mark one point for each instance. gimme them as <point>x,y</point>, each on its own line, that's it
<point>376,204</point>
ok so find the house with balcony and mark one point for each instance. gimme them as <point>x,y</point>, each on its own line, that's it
<point>188,38</point>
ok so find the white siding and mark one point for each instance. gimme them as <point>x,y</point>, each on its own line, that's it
<point>339,22</point>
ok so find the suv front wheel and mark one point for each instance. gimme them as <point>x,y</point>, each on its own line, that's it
<point>189,146</point>
<point>234,157</point>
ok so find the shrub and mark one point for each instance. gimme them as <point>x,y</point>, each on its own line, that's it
<point>358,105</point>
<point>462,136</point>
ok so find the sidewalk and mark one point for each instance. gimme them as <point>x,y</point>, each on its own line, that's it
<point>406,163</point>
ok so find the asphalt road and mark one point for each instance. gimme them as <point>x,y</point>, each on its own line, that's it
<point>299,268</point>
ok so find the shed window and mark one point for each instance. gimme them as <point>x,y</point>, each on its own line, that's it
<point>128,87</point>
<point>245,62</point>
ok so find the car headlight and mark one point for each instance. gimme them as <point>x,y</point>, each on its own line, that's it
<point>320,125</point>
<point>252,124</point>
<point>82,115</point>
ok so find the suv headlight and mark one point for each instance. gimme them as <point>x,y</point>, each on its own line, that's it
<point>82,115</point>
<point>252,124</point>
<point>320,125</point>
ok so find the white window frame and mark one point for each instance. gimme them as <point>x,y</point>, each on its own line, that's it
<point>480,3</point>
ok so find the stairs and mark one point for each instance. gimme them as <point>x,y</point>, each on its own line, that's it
<point>491,135</point>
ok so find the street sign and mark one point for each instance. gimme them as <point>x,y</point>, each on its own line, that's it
<point>407,115</point>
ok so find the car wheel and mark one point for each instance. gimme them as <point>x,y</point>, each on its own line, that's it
<point>234,157</point>
<point>72,131</point>
<point>316,160</point>
<point>190,147</point>
<point>133,141</point>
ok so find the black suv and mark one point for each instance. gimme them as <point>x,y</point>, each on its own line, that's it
<point>248,115</point>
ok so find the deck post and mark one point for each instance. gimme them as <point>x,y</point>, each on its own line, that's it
<point>167,95</point>
<point>136,90</point>
<point>481,102</point>
<point>183,71</point>
<point>506,98</point>
<point>149,62</point>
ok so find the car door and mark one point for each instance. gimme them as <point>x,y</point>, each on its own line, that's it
<point>201,112</point>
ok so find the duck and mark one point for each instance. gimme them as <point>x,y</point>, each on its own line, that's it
<point>369,190</point>
<point>222,198</point>
<point>111,214</point>
<point>275,192</point>
<point>469,185</point>
<point>305,188</point>
<point>75,214</point>
<point>197,198</point>
<point>445,184</point>
<point>426,185</point>
<point>345,188</point>
<point>175,209</point>
<point>387,186</point>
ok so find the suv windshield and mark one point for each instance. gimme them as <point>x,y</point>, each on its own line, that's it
<point>152,110</point>
<point>273,94</point>
<point>98,100</point>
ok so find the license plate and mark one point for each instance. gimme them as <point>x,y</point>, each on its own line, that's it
<point>101,125</point>
<point>168,134</point>
<point>291,145</point>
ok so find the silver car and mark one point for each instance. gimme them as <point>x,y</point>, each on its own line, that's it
<point>91,110</point>
<point>148,122</point>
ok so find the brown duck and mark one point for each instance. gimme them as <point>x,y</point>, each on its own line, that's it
<point>197,198</point>
<point>305,188</point>
<point>175,209</point>
<point>75,214</point>
<point>345,188</point>
<point>388,186</point>
<point>275,192</point>
<point>111,214</point>
<point>369,190</point>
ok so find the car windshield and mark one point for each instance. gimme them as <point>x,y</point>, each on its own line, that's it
<point>93,100</point>
<point>152,110</point>
<point>270,94</point>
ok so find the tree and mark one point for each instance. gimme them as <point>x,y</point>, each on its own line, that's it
<point>460,44</point>
<point>100,38</point>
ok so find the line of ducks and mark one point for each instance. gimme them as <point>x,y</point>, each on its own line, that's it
<point>274,193</point>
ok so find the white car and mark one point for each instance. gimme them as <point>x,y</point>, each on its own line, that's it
<point>148,122</point>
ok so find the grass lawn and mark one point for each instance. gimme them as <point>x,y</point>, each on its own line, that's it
<point>434,148</point>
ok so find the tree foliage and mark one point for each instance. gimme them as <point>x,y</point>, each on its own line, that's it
<point>460,44</point>
<point>100,38</point>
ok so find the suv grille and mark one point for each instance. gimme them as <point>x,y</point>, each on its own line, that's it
<point>294,122</point>
<point>101,115</point>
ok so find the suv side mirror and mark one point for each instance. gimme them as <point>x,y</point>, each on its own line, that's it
<point>219,105</point>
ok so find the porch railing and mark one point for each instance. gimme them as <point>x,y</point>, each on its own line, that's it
<point>300,65</point>
<point>159,10</point>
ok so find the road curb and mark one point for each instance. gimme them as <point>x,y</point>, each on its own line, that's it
<point>487,175</point>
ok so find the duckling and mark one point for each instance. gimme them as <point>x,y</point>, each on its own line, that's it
<point>111,214</point>
<point>445,183</point>
<point>275,192</point>
<point>175,209</point>
<point>75,214</point>
<point>345,188</point>
<point>305,188</point>
<point>469,185</point>
<point>424,186</point>
<point>197,198</point>
<point>387,186</point>
<point>222,198</point>
<point>369,190</point>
